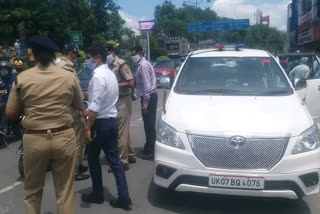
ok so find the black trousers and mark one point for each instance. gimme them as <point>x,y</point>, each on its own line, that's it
<point>3,117</point>
<point>149,120</point>
<point>106,139</point>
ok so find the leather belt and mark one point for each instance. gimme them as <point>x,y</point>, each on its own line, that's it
<point>53,131</point>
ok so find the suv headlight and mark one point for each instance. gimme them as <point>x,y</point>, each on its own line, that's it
<point>308,141</point>
<point>168,136</point>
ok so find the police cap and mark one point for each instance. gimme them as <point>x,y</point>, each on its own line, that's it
<point>43,42</point>
<point>71,47</point>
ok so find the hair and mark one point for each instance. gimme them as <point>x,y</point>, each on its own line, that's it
<point>99,49</point>
<point>45,56</point>
<point>138,49</point>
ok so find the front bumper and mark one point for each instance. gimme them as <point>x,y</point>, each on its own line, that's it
<point>187,174</point>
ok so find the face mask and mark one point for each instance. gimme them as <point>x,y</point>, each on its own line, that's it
<point>19,69</point>
<point>136,58</point>
<point>110,59</point>
<point>89,64</point>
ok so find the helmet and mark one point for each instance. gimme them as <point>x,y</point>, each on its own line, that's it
<point>5,64</point>
<point>5,69</point>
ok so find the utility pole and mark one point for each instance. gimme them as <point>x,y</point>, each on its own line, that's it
<point>148,41</point>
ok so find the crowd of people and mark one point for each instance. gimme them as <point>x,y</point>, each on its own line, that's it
<point>58,128</point>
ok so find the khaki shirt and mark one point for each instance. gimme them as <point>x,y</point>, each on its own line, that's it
<point>45,95</point>
<point>123,74</point>
<point>66,64</point>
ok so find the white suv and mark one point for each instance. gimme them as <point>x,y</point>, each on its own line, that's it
<point>233,124</point>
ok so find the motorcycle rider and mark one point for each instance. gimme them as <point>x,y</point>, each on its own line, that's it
<point>18,65</point>
<point>6,80</point>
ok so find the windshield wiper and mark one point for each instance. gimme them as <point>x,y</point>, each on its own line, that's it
<point>276,92</point>
<point>221,90</point>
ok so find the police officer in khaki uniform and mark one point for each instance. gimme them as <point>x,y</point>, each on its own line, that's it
<point>70,52</point>
<point>45,95</point>
<point>124,105</point>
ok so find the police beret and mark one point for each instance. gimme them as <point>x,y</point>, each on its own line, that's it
<point>69,47</point>
<point>43,42</point>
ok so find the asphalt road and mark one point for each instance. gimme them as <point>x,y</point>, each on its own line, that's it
<point>147,198</point>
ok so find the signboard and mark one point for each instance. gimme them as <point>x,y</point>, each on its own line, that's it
<point>237,24</point>
<point>305,36</point>
<point>183,47</point>
<point>146,25</point>
<point>76,37</point>
<point>8,52</point>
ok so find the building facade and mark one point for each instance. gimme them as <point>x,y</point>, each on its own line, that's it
<point>304,25</point>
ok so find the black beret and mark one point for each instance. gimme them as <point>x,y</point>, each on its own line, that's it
<point>69,47</point>
<point>43,42</point>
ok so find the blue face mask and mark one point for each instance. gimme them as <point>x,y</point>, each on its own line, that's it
<point>89,64</point>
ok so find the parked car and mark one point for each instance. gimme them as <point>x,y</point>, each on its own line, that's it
<point>85,74</point>
<point>165,68</point>
<point>234,124</point>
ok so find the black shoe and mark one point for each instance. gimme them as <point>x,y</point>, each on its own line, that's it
<point>149,156</point>
<point>80,177</point>
<point>82,169</point>
<point>121,203</point>
<point>92,198</point>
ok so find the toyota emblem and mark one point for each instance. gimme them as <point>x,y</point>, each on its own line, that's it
<point>237,142</point>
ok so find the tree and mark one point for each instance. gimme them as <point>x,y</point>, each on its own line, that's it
<point>263,37</point>
<point>173,22</point>
<point>155,49</point>
<point>98,20</point>
<point>109,21</point>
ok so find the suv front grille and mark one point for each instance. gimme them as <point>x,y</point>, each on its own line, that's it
<point>256,153</point>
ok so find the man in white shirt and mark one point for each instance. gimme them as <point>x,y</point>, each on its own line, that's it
<point>102,132</point>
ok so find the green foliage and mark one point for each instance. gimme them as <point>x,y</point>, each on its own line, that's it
<point>163,58</point>
<point>172,22</point>
<point>155,49</point>
<point>262,37</point>
<point>99,21</point>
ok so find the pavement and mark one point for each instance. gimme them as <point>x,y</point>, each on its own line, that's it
<point>146,197</point>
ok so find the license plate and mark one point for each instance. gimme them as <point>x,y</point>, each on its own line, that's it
<point>236,182</point>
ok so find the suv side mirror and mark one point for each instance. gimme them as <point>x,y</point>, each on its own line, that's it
<point>299,83</point>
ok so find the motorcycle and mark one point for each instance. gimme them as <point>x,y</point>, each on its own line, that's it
<point>11,128</point>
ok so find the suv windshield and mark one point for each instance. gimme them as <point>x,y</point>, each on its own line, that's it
<point>234,76</point>
<point>164,64</point>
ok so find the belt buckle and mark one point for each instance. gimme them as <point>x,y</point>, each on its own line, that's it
<point>49,133</point>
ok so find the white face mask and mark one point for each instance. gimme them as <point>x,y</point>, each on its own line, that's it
<point>136,58</point>
<point>110,59</point>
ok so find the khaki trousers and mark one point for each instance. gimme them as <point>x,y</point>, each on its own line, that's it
<point>126,152</point>
<point>57,151</point>
<point>79,124</point>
